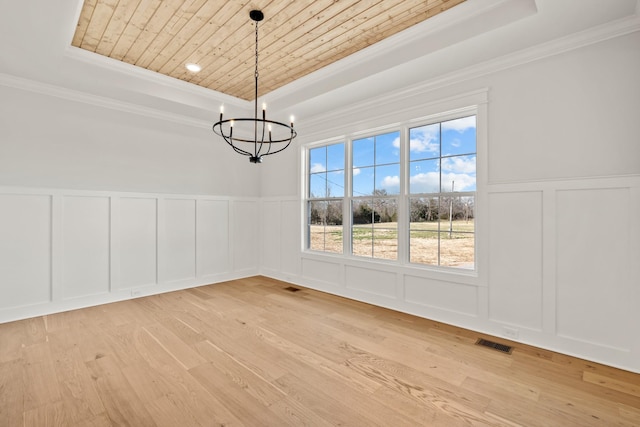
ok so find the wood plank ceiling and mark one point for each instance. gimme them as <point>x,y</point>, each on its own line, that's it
<point>295,37</point>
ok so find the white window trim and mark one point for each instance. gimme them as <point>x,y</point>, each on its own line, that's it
<point>472,103</point>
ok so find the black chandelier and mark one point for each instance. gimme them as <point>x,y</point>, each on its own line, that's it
<point>278,135</point>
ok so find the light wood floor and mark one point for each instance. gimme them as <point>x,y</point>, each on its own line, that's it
<point>251,353</point>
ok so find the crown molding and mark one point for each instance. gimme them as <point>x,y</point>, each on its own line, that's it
<point>584,38</point>
<point>99,101</point>
<point>95,59</point>
<point>568,43</point>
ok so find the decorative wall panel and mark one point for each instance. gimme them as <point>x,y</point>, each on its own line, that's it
<point>25,249</point>
<point>597,298</point>
<point>86,246</point>
<point>515,258</point>
<point>213,237</point>
<point>137,242</point>
<point>179,244</point>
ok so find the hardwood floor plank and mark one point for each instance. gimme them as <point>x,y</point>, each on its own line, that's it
<point>173,345</point>
<point>12,393</point>
<point>122,404</point>
<point>77,389</point>
<point>612,383</point>
<point>41,385</point>
<point>246,408</point>
<point>248,352</point>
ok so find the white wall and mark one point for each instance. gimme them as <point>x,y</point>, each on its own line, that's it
<point>558,231</point>
<point>66,249</point>
<point>102,201</point>
<point>53,137</point>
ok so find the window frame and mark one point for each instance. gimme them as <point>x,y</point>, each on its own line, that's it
<point>476,106</point>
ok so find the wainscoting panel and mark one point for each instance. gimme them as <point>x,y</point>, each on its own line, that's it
<point>515,258</point>
<point>271,235</point>
<point>597,297</point>
<point>212,237</point>
<point>25,249</point>
<point>86,245</point>
<point>441,295</point>
<point>137,242</point>
<point>326,272</point>
<point>179,250</point>
<point>290,238</point>
<point>246,224</point>
<point>65,249</point>
<point>371,281</point>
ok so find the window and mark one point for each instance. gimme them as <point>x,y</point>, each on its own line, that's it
<point>326,191</point>
<point>374,203</point>
<point>442,185</point>
<point>406,194</point>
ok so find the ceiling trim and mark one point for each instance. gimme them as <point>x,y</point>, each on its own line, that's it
<point>437,26</point>
<point>94,59</point>
<point>574,41</point>
<point>587,37</point>
<point>98,101</point>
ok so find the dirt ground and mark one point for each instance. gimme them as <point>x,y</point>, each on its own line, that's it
<point>455,252</point>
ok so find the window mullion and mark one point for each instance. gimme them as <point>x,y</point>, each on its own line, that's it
<point>347,220</point>
<point>403,198</point>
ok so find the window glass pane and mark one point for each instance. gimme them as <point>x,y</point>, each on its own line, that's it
<point>459,136</point>
<point>423,247</point>
<point>424,176</point>
<point>385,210</point>
<point>362,240</point>
<point>335,157</point>
<point>463,214</point>
<point>458,173</point>
<point>363,152</point>
<point>362,211</point>
<point>387,179</point>
<point>388,148</point>
<point>316,215</point>
<point>424,142</point>
<point>318,159</point>
<point>424,210</point>
<point>385,229</point>
<point>457,250</point>
<point>363,180</point>
<point>318,185</point>
<point>325,226</point>
<point>335,184</point>
<point>385,242</point>
<point>362,230</point>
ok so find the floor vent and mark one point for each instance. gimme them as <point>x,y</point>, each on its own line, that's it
<point>494,345</point>
<point>292,289</point>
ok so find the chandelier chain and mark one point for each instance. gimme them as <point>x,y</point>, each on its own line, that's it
<point>256,74</point>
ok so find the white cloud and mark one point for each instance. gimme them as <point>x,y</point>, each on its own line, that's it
<point>317,167</point>
<point>459,164</point>
<point>424,140</point>
<point>356,171</point>
<point>425,182</point>
<point>462,182</point>
<point>460,125</point>
<point>391,182</point>
<point>430,182</point>
<point>396,142</point>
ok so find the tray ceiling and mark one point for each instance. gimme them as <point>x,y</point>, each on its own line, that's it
<point>296,37</point>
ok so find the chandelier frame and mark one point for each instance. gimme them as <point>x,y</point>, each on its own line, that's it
<point>261,126</point>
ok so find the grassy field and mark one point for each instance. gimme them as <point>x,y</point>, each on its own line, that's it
<point>381,241</point>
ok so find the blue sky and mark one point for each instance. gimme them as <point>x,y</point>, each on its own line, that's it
<point>376,161</point>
